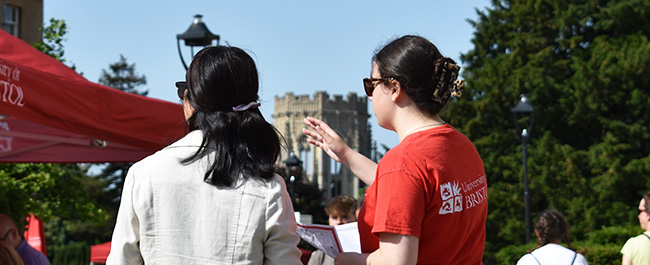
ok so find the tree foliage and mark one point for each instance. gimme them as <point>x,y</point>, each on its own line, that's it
<point>583,65</point>
<point>123,76</point>
<point>53,37</point>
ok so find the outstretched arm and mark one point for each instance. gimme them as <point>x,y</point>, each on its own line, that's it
<point>393,249</point>
<point>324,137</point>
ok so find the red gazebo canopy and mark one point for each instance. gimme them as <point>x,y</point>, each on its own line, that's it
<point>99,253</point>
<point>49,113</point>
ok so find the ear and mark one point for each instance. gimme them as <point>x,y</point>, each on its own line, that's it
<point>188,109</point>
<point>395,90</point>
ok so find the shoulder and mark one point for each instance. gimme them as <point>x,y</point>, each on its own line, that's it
<point>29,255</point>
<point>635,243</point>
<point>271,189</point>
<point>526,259</point>
<point>637,239</point>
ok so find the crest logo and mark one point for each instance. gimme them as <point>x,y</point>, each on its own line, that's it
<point>452,200</point>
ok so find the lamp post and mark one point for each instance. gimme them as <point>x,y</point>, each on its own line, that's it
<point>521,110</point>
<point>292,163</point>
<point>197,34</point>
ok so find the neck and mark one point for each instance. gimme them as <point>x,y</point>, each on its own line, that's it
<point>413,126</point>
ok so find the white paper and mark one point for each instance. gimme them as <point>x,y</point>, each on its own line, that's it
<point>349,237</point>
<point>332,240</point>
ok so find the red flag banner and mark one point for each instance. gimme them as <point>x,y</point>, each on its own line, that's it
<point>35,233</point>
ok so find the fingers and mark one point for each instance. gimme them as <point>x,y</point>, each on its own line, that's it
<point>312,134</point>
<point>325,131</point>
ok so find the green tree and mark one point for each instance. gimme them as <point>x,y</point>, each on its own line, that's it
<point>53,37</point>
<point>583,65</point>
<point>123,76</point>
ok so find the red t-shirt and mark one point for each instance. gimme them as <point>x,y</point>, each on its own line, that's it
<point>432,186</point>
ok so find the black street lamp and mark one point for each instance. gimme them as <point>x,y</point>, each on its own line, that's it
<point>197,34</point>
<point>521,110</point>
<point>293,163</point>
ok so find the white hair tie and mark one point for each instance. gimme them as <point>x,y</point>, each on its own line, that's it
<point>243,107</point>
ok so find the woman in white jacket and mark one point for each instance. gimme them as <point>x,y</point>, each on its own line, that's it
<point>212,197</point>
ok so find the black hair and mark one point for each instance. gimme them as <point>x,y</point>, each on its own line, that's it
<point>239,143</point>
<point>420,69</point>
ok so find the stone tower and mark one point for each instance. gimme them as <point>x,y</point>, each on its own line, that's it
<point>347,116</point>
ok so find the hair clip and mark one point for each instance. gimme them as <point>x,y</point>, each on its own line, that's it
<point>453,86</point>
<point>244,107</point>
<point>457,88</point>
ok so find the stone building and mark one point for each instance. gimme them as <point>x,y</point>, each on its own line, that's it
<point>348,116</point>
<point>22,18</point>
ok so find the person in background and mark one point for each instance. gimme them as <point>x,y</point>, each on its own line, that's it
<point>212,197</point>
<point>427,199</point>
<point>340,210</point>
<point>551,229</point>
<point>8,255</point>
<point>636,250</point>
<point>11,236</point>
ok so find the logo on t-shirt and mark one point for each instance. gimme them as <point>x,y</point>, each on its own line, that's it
<point>475,193</point>
<point>452,200</point>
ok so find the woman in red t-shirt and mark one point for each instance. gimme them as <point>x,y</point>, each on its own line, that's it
<point>427,200</point>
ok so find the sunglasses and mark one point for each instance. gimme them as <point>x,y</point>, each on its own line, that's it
<point>6,235</point>
<point>369,84</point>
<point>181,87</point>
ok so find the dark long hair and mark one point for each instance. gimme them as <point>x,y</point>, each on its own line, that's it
<point>420,68</point>
<point>240,143</point>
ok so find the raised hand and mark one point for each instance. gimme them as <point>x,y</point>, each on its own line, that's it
<point>327,139</point>
<point>324,137</point>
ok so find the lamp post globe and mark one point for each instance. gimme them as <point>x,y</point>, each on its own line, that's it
<point>197,34</point>
<point>293,164</point>
<point>521,110</point>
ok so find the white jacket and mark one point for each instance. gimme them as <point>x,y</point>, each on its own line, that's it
<point>169,215</point>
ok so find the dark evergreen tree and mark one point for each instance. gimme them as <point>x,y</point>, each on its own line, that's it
<point>106,187</point>
<point>583,65</point>
<point>123,76</point>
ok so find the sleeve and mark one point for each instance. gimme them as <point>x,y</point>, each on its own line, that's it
<point>33,256</point>
<point>316,258</point>
<point>581,260</point>
<point>281,240</point>
<point>125,245</point>
<point>628,248</point>
<point>400,206</point>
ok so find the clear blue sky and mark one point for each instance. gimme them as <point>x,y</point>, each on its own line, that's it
<point>299,46</point>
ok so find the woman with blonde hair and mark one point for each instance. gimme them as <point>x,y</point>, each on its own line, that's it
<point>8,255</point>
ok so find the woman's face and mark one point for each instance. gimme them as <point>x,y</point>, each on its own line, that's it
<point>381,101</point>
<point>644,219</point>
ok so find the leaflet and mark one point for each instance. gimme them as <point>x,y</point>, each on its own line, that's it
<point>332,240</point>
